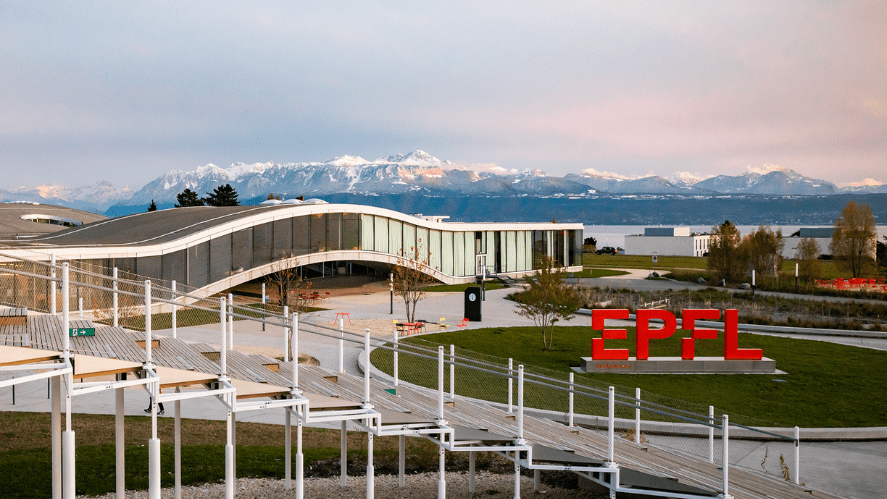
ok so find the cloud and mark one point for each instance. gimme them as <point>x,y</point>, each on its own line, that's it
<point>866,182</point>
<point>594,173</point>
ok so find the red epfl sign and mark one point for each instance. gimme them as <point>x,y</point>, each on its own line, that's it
<point>645,333</point>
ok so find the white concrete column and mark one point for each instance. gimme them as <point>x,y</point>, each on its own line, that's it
<point>69,469</point>
<point>229,453</point>
<point>55,392</point>
<point>371,470</point>
<point>442,481</point>
<point>154,442</point>
<point>178,443</point>
<point>516,477</point>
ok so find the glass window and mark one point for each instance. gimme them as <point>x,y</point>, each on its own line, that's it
<point>395,237</point>
<point>521,246</point>
<point>409,240</point>
<point>262,244</point>
<point>351,231</point>
<point>198,265</point>
<point>174,266</point>
<point>459,254</point>
<point>434,249</point>
<point>242,250</point>
<point>301,235</point>
<point>333,231</point>
<point>382,234</point>
<point>491,251</point>
<point>283,238</point>
<point>367,234</point>
<point>318,233</point>
<point>510,251</point>
<point>422,244</point>
<point>447,253</point>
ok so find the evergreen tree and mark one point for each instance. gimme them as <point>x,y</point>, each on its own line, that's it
<point>188,198</point>
<point>725,256</point>
<point>223,195</point>
<point>152,206</point>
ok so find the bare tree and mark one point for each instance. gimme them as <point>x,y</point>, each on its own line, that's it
<point>807,254</point>
<point>288,283</point>
<point>764,251</point>
<point>548,299</point>
<point>412,275</point>
<point>725,256</point>
<point>853,241</point>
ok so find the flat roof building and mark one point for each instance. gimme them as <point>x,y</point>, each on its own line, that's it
<point>667,241</point>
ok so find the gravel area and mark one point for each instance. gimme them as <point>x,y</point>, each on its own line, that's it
<point>494,486</point>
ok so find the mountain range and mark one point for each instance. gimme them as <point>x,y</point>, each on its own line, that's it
<point>419,173</point>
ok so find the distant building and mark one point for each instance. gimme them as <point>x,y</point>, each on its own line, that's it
<point>822,236</point>
<point>670,241</point>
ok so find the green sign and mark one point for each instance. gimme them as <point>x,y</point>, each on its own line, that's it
<point>81,331</point>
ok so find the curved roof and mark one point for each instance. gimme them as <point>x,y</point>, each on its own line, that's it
<point>12,225</point>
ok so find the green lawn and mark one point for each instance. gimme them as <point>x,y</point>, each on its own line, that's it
<point>823,387</point>
<point>643,262</point>
<point>593,272</point>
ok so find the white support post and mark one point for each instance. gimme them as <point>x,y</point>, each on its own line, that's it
<point>401,458</point>
<point>223,357</point>
<point>288,450</point>
<point>68,458</point>
<point>797,455</point>
<point>148,322</point>
<point>66,309</point>
<point>440,383</point>
<point>342,345</point>
<point>56,420</point>
<point>452,372</point>
<point>371,479</point>
<point>611,425</point>
<point>711,434</point>
<point>119,441</point>
<point>510,384</point>
<point>286,336</point>
<point>178,446</point>
<point>471,473</point>
<point>725,464</point>
<point>154,442</point>
<point>229,452</point>
<point>442,481</point>
<point>175,297</point>
<point>537,480</point>
<point>52,285</point>
<point>516,476</point>
<point>572,385</point>
<point>300,462</point>
<point>520,402</point>
<point>80,308</point>
<point>294,321</point>
<point>366,372</point>
<point>231,321</point>
<point>637,416</point>
<point>343,457</point>
<point>114,295</point>
<point>396,358</point>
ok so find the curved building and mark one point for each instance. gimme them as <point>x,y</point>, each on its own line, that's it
<point>214,248</point>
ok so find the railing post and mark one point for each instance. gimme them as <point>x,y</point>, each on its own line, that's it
<point>725,465</point>
<point>611,424</point>
<point>66,308</point>
<point>52,285</point>
<point>366,372</point>
<point>510,383</point>
<point>231,321</point>
<point>797,455</point>
<point>637,416</point>
<point>342,345</point>
<point>711,434</point>
<point>452,372</point>
<point>223,320</point>
<point>114,295</point>
<point>440,382</point>
<point>80,307</point>
<point>396,357</point>
<point>263,306</point>
<point>294,321</point>
<point>286,336</point>
<point>148,322</point>
<point>572,385</point>
<point>174,297</point>
<point>520,401</point>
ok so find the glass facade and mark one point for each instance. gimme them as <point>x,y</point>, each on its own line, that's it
<point>452,252</point>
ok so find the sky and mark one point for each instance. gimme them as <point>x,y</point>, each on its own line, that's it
<point>127,91</point>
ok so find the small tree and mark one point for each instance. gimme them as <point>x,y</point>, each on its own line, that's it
<point>223,195</point>
<point>285,279</point>
<point>763,249</point>
<point>725,256</point>
<point>411,279</point>
<point>152,206</point>
<point>881,252</point>
<point>548,299</point>
<point>853,241</point>
<point>807,254</point>
<point>188,198</point>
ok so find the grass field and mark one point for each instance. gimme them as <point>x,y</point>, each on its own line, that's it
<point>25,461</point>
<point>821,387</point>
<point>643,262</point>
<point>594,272</point>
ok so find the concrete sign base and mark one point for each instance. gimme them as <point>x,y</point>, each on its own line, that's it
<point>676,365</point>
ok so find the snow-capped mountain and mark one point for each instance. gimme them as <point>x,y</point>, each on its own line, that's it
<point>782,182</point>
<point>97,196</point>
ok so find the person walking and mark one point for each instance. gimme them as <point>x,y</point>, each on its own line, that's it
<point>159,406</point>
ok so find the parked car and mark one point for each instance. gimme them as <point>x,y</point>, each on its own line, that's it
<point>606,250</point>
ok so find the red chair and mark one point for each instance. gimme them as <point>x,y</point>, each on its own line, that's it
<point>462,323</point>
